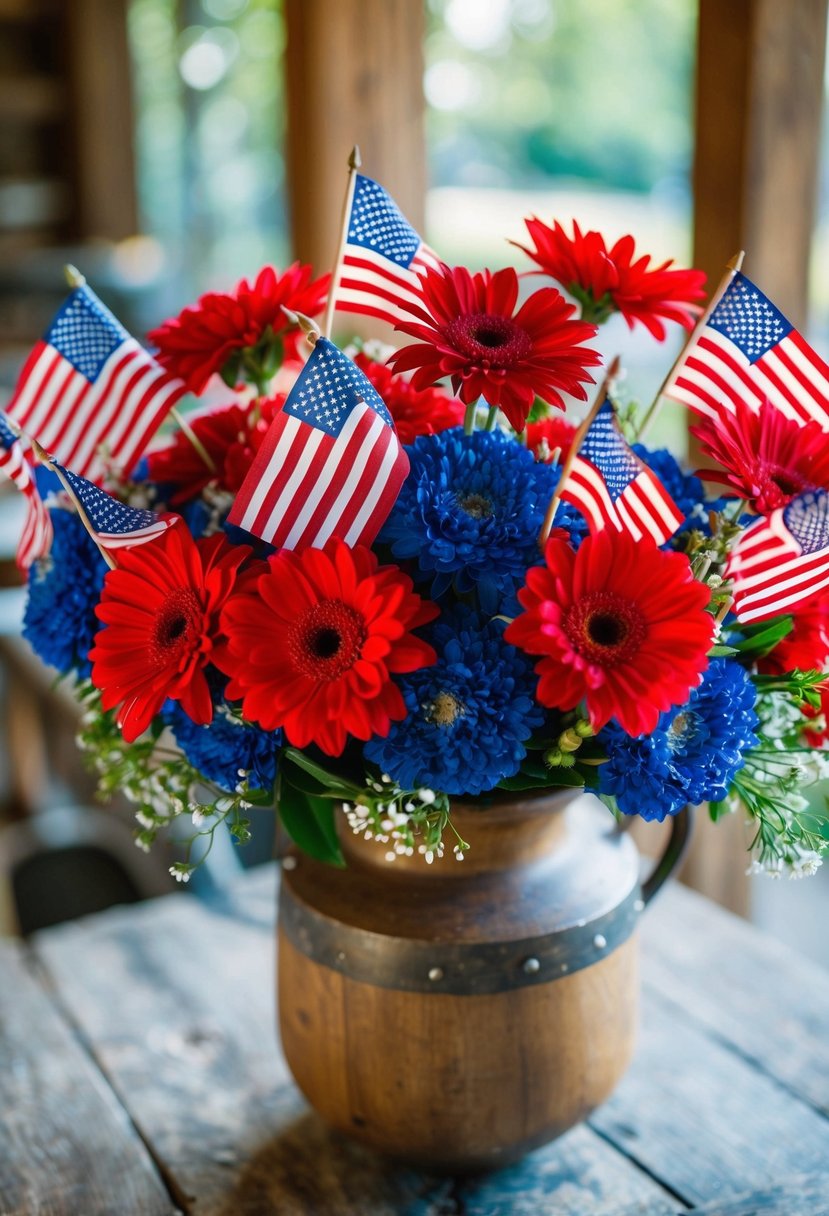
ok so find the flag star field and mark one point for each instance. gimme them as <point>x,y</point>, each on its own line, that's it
<point>331,387</point>
<point>85,333</point>
<point>377,223</point>
<point>749,319</point>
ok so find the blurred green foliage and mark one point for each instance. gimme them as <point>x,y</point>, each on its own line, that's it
<point>524,90</point>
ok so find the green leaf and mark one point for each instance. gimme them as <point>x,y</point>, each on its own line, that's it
<point>760,639</point>
<point>720,651</point>
<point>328,780</point>
<point>310,823</point>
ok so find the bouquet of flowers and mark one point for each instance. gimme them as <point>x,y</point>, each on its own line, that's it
<point>371,581</point>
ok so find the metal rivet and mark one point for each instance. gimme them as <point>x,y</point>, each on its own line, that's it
<point>564,967</point>
<point>289,863</point>
<point>639,905</point>
<point>531,966</point>
<point>600,941</point>
<point>341,956</point>
<point>435,973</point>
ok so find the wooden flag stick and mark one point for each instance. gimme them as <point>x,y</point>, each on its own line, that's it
<point>354,163</point>
<point>84,518</point>
<point>578,440</point>
<point>732,268</point>
<point>308,327</point>
<point>193,438</point>
<point>73,276</point>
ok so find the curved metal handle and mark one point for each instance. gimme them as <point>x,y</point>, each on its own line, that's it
<point>672,855</point>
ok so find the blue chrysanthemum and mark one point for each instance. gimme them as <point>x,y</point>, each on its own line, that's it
<point>469,512</point>
<point>468,716</point>
<point>692,755</point>
<point>226,746</point>
<point>64,588</point>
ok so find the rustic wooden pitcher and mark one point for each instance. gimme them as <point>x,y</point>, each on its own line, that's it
<point>460,1014</point>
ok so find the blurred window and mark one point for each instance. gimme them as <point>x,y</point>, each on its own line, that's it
<point>210,134</point>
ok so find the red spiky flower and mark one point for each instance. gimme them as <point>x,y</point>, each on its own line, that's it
<point>231,435</point>
<point>239,333</point>
<point>620,624</point>
<point>415,411</point>
<point>469,330</point>
<point>767,458</point>
<point>614,280</point>
<point>160,608</point>
<point>313,642</point>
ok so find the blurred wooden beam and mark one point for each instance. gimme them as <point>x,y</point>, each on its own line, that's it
<point>354,75</point>
<point>101,106</point>
<point>759,101</point>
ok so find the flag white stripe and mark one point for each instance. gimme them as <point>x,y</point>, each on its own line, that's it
<point>129,415</point>
<point>797,390</point>
<point>45,421</point>
<point>640,506</point>
<point>405,288</point>
<point>291,427</point>
<point>373,497</point>
<point>352,482</point>
<point>105,407</point>
<point>625,516</point>
<point>325,477</point>
<point>29,392</point>
<point>762,600</point>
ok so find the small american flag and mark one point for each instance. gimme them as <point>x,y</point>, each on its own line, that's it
<point>782,560</point>
<point>112,524</point>
<point>747,351</point>
<point>383,258</point>
<point>330,463</point>
<point>613,488</point>
<point>36,538</point>
<point>88,385</point>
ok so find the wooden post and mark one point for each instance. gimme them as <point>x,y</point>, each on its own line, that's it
<point>353,75</point>
<point>758,112</point>
<point>103,160</point>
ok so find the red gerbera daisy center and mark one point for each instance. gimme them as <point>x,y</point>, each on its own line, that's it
<point>489,339</point>
<point>326,640</point>
<point>178,625</point>
<point>605,628</point>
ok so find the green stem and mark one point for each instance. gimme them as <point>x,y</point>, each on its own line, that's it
<point>491,418</point>
<point>469,418</point>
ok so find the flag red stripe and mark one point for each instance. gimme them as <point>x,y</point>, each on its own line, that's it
<point>346,456</point>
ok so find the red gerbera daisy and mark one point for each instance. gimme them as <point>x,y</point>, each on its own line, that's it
<point>415,411</point>
<point>238,333</point>
<point>161,610</point>
<point>768,458</point>
<point>231,436</point>
<point>609,280</point>
<point>468,332</point>
<point>313,641</point>
<point>621,625</point>
<point>549,435</point>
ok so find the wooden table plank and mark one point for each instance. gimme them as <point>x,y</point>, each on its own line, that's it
<point>66,1145</point>
<point>176,1000</point>
<point>702,1118</point>
<point>745,987</point>
<point>807,1196</point>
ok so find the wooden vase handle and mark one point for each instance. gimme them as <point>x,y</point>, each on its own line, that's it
<point>672,855</point>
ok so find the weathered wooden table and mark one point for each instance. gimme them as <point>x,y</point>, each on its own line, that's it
<point>139,1074</point>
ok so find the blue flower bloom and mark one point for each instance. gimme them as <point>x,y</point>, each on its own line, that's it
<point>227,745</point>
<point>692,755</point>
<point>470,511</point>
<point>468,716</point>
<point>64,588</point>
